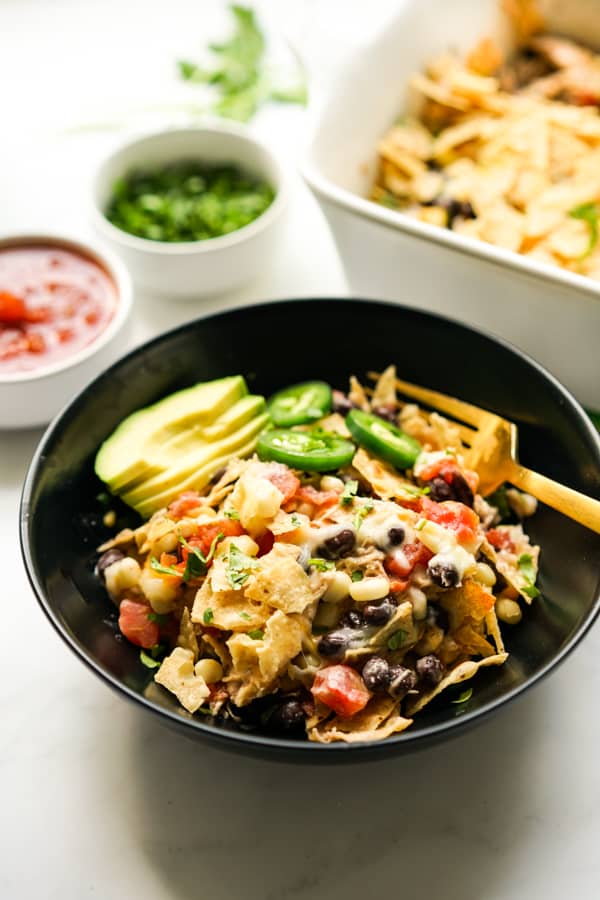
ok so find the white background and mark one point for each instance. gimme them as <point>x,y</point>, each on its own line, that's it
<point>97,799</point>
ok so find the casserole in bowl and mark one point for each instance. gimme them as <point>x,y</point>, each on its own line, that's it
<point>552,313</point>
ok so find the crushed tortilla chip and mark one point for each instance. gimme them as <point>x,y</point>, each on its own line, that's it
<point>462,672</point>
<point>377,721</point>
<point>280,581</point>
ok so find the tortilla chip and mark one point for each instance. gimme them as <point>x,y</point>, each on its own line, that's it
<point>493,629</point>
<point>384,393</point>
<point>462,672</point>
<point>357,395</point>
<point>228,610</point>
<point>378,720</point>
<point>257,663</point>
<point>280,581</point>
<point>177,675</point>
<point>383,478</point>
<point>187,636</point>
<point>469,601</point>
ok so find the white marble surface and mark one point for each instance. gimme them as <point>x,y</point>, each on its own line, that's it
<point>99,800</point>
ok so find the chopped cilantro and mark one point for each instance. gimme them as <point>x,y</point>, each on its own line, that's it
<point>357,576</point>
<point>208,616</point>
<point>197,563</point>
<point>238,564</point>
<point>295,520</point>
<point>349,492</point>
<point>232,514</point>
<point>164,570</point>
<point>527,569</point>
<point>588,213</point>
<point>148,661</point>
<point>466,695</point>
<point>362,513</point>
<point>246,616</point>
<point>500,501</point>
<point>321,565</point>
<point>158,618</point>
<point>256,635</point>
<point>396,640</point>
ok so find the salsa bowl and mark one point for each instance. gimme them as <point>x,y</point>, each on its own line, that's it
<point>62,521</point>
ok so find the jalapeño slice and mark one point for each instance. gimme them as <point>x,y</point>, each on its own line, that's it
<point>309,451</point>
<point>300,404</point>
<point>383,438</point>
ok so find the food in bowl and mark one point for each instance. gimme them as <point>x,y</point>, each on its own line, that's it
<point>505,149</point>
<point>334,583</point>
<point>187,201</point>
<point>53,303</point>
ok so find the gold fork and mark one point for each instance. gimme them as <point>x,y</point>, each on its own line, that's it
<point>492,453</point>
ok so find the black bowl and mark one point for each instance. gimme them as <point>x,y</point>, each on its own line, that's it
<point>274,345</point>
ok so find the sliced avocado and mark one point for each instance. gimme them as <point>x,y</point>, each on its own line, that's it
<point>235,417</point>
<point>195,482</point>
<point>127,455</point>
<point>187,465</point>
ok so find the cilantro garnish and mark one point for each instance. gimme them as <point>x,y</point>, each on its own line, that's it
<point>527,569</point>
<point>295,520</point>
<point>238,564</point>
<point>246,616</point>
<point>239,75</point>
<point>321,565</point>
<point>148,661</point>
<point>362,513</point>
<point>349,492</point>
<point>466,695</point>
<point>397,639</point>
<point>588,213</point>
<point>232,514</point>
<point>357,576</point>
<point>164,570</point>
<point>158,618</point>
<point>208,616</point>
<point>256,635</point>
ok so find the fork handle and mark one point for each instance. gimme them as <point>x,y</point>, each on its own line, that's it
<point>571,503</point>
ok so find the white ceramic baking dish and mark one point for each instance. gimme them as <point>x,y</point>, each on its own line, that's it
<point>549,312</point>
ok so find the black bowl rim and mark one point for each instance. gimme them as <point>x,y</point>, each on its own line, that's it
<point>241,740</point>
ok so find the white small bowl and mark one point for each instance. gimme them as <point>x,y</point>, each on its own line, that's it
<point>29,399</point>
<point>194,268</point>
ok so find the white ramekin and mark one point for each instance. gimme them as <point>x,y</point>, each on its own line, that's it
<point>29,399</point>
<point>195,268</point>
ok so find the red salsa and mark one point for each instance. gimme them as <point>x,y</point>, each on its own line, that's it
<point>53,303</point>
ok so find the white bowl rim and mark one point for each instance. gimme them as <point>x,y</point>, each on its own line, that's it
<point>103,257</point>
<point>180,248</point>
<point>399,221</point>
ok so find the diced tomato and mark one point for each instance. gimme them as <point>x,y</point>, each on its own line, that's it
<point>170,560</point>
<point>341,689</point>
<point>12,309</point>
<point>205,534</point>
<point>398,585</point>
<point>135,624</point>
<point>415,553</point>
<point>283,479</point>
<point>184,504</point>
<point>265,543</point>
<point>321,499</point>
<point>500,539</point>
<point>454,516</point>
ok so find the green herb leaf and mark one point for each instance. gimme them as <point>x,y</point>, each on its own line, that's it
<point>531,591</point>
<point>357,576</point>
<point>466,695</point>
<point>158,618</point>
<point>148,661</point>
<point>500,501</point>
<point>232,514</point>
<point>208,616</point>
<point>527,569</point>
<point>246,616</point>
<point>362,513</point>
<point>295,520</point>
<point>321,565</point>
<point>349,493</point>
<point>256,635</point>
<point>197,563</point>
<point>420,524</point>
<point>588,213</point>
<point>397,639</point>
<point>163,570</point>
<point>239,566</point>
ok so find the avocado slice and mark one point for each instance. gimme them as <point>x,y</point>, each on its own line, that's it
<point>126,457</point>
<point>196,475</point>
<point>231,420</point>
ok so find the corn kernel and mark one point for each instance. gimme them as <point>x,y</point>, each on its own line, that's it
<point>369,589</point>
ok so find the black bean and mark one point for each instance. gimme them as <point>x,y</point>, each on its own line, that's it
<point>457,209</point>
<point>443,573</point>
<point>402,680</point>
<point>379,613</point>
<point>396,535</point>
<point>458,489</point>
<point>333,645</point>
<point>106,560</point>
<point>341,544</point>
<point>389,413</point>
<point>289,716</point>
<point>352,619</point>
<point>376,673</point>
<point>341,403</point>
<point>430,669</point>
